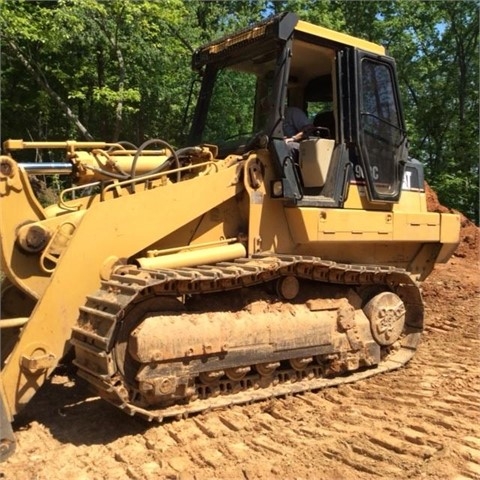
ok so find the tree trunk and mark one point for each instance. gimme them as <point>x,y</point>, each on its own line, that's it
<point>40,78</point>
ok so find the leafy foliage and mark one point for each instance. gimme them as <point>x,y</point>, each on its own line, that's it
<point>121,70</point>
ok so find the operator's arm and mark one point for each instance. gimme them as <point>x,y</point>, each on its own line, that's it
<point>296,124</point>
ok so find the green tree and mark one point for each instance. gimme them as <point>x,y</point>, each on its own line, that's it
<point>121,70</point>
<point>105,65</point>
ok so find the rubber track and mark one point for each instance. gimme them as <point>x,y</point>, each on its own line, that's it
<point>108,305</point>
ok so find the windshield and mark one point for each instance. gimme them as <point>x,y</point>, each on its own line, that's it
<point>235,102</point>
<point>238,98</point>
<point>232,107</point>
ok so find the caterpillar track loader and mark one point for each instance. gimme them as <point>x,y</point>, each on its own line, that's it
<point>240,267</point>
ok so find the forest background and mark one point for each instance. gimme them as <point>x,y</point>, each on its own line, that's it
<point>120,70</point>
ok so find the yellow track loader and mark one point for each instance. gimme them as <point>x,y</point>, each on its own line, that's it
<point>240,267</point>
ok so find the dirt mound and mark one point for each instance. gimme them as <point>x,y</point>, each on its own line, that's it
<point>469,241</point>
<point>433,204</point>
<point>469,246</point>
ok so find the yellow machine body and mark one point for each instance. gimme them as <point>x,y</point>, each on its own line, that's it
<point>187,278</point>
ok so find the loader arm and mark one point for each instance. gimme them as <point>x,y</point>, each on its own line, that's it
<point>19,207</point>
<point>159,211</point>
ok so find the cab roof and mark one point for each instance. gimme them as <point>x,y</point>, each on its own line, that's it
<point>337,37</point>
<point>269,31</point>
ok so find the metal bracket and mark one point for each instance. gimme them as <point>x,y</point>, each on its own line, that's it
<point>42,362</point>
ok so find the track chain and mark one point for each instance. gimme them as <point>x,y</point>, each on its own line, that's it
<point>94,336</point>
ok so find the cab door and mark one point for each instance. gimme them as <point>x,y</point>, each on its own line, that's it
<point>380,130</point>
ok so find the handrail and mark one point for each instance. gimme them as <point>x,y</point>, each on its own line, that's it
<point>154,176</point>
<point>72,208</point>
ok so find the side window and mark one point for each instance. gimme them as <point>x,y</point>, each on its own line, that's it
<point>377,92</point>
<point>383,141</point>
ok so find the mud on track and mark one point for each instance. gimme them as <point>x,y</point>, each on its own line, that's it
<point>419,422</point>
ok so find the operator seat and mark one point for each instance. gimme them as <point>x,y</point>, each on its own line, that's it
<point>325,120</point>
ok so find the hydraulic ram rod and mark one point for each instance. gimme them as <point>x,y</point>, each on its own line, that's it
<point>52,168</point>
<point>13,144</point>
